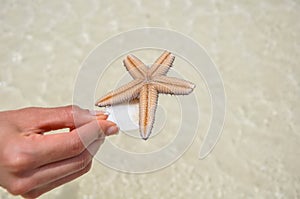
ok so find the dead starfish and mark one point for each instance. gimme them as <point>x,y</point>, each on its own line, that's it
<point>147,83</point>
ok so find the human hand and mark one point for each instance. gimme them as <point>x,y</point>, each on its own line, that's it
<point>32,163</point>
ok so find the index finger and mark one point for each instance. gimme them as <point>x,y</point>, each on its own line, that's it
<point>41,120</point>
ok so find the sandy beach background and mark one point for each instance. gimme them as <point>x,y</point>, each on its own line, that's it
<point>255,45</point>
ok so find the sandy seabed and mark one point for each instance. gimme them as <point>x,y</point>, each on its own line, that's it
<point>255,45</point>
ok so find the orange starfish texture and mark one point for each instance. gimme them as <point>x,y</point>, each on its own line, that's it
<point>147,83</point>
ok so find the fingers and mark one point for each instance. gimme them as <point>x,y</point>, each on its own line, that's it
<point>45,188</point>
<point>55,147</point>
<point>59,170</point>
<point>45,119</point>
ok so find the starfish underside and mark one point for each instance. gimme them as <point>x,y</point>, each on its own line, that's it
<point>147,83</point>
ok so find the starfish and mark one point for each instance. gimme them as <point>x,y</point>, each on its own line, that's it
<point>147,83</point>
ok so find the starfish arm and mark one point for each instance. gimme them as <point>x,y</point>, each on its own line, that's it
<point>147,107</point>
<point>125,93</point>
<point>172,85</point>
<point>162,65</point>
<point>135,67</point>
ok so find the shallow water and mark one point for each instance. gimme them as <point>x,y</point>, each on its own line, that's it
<point>256,48</point>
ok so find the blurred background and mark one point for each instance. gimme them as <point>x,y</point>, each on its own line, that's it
<point>255,45</point>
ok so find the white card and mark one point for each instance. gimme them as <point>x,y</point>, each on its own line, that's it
<point>126,116</point>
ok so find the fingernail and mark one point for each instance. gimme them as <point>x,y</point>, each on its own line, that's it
<point>112,130</point>
<point>97,112</point>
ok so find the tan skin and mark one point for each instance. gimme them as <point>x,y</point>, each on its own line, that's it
<point>33,163</point>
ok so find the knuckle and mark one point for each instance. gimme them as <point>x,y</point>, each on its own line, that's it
<point>18,162</point>
<point>67,114</point>
<point>76,145</point>
<point>73,113</point>
<point>78,110</point>
<point>88,167</point>
<point>83,161</point>
<point>73,109</point>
